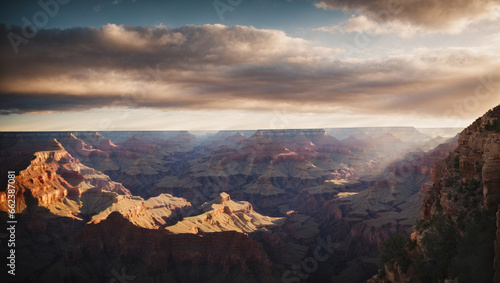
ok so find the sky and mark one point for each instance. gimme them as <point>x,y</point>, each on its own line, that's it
<point>68,65</point>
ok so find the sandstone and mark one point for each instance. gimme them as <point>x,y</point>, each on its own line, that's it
<point>224,214</point>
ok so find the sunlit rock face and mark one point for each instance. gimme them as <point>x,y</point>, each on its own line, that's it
<point>224,214</point>
<point>50,176</point>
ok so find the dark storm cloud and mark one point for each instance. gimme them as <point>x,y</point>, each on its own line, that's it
<point>219,67</point>
<point>22,103</point>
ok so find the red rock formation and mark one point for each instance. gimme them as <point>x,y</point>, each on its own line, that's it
<point>41,181</point>
<point>54,174</point>
<point>96,140</point>
<point>76,146</point>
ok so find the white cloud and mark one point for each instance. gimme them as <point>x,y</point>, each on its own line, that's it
<point>362,24</point>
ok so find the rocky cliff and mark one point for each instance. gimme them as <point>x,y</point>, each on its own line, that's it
<point>43,182</point>
<point>459,235</point>
<point>224,214</point>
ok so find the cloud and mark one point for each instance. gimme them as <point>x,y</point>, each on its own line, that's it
<point>34,103</point>
<point>226,68</point>
<point>427,15</point>
<point>362,24</point>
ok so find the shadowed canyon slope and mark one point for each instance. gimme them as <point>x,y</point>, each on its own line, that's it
<point>459,235</point>
<point>218,207</point>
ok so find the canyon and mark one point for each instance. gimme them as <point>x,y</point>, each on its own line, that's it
<point>228,206</point>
